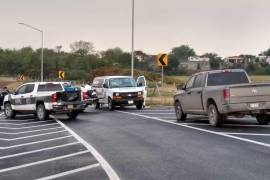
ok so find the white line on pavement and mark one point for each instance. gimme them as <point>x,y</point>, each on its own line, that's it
<point>70,172</point>
<point>24,132</point>
<point>232,125</point>
<point>20,124</point>
<point>105,165</point>
<point>247,134</point>
<point>11,120</point>
<point>35,142</point>
<point>199,129</point>
<point>43,161</point>
<point>36,135</point>
<point>28,126</point>
<point>39,150</point>
<point>154,113</point>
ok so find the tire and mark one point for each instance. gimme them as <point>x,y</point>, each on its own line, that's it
<point>97,105</point>
<point>263,119</point>
<point>42,113</point>
<point>180,115</point>
<point>111,105</point>
<point>73,114</point>
<point>9,112</point>
<point>139,106</point>
<point>215,118</point>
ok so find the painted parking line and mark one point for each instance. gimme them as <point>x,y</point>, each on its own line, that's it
<point>36,135</point>
<point>248,134</point>
<point>21,124</point>
<point>43,161</point>
<point>198,129</point>
<point>25,132</point>
<point>39,150</point>
<point>70,172</point>
<point>36,142</point>
<point>105,165</point>
<point>18,120</point>
<point>154,113</point>
<point>28,126</point>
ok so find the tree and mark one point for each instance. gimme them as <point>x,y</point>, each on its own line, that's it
<point>178,55</point>
<point>82,48</point>
<point>265,53</point>
<point>214,60</point>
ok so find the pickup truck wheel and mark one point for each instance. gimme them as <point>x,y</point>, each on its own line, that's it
<point>111,104</point>
<point>263,119</point>
<point>180,115</point>
<point>9,112</point>
<point>72,115</point>
<point>42,113</point>
<point>215,118</point>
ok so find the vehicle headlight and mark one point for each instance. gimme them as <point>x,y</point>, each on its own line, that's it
<point>140,93</point>
<point>116,94</point>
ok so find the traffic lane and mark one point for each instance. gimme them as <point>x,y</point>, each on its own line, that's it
<point>141,148</point>
<point>55,153</point>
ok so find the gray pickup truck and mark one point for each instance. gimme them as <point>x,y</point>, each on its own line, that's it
<point>223,93</point>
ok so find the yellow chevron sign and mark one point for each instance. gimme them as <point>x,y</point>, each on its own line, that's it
<point>162,60</point>
<point>61,74</point>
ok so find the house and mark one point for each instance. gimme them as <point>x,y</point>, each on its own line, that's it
<point>196,63</point>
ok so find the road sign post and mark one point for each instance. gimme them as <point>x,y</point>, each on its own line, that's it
<point>162,60</point>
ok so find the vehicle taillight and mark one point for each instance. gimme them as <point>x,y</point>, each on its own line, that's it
<point>54,98</point>
<point>85,96</point>
<point>226,94</point>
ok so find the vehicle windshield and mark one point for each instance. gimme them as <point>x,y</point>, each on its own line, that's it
<point>122,82</point>
<point>227,78</point>
<point>50,87</point>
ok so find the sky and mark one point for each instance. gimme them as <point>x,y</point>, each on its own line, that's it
<point>226,27</point>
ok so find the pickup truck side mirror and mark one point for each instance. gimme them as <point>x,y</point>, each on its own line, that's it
<point>105,86</point>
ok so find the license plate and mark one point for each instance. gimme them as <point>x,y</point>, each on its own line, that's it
<point>130,102</point>
<point>254,105</point>
<point>70,106</point>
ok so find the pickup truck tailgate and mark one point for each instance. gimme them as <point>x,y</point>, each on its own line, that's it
<point>250,93</point>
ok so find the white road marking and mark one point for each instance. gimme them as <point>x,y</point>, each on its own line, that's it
<point>105,165</point>
<point>36,135</point>
<point>43,161</point>
<point>24,132</point>
<point>28,126</point>
<point>35,142</point>
<point>11,120</point>
<point>20,124</point>
<point>39,150</point>
<point>153,110</point>
<point>247,134</point>
<point>199,129</point>
<point>70,172</point>
<point>232,125</point>
<point>154,113</point>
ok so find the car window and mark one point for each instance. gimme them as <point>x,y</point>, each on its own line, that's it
<point>122,82</point>
<point>21,90</point>
<point>199,81</point>
<point>50,87</point>
<point>29,88</point>
<point>141,80</point>
<point>227,78</point>
<point>190,82</point>
<point>98,83</point>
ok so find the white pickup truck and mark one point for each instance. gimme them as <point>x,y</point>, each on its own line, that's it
<point>44,98</point>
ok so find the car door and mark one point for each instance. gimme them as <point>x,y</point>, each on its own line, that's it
<point>141,82</point>
<point>186,94</point>
<point>18,98</point>
<point>196,93</point>
<point>27,98</point>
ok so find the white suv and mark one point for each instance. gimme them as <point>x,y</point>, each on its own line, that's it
<point>120,91</point>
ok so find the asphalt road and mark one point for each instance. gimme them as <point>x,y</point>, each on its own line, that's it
<point>140,144</point>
